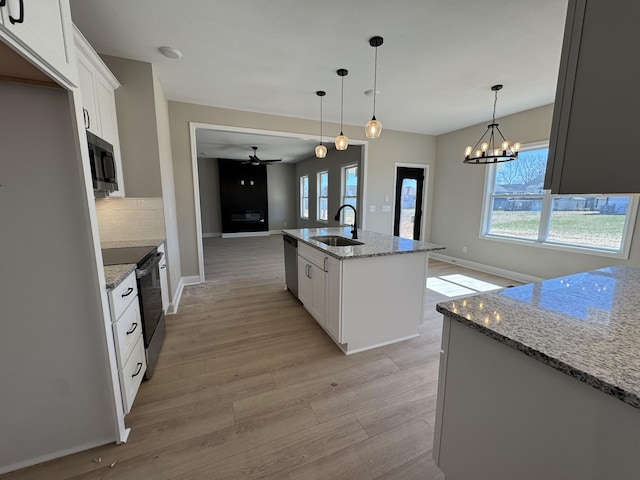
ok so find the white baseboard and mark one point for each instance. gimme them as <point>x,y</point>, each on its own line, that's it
<point>245,234</point>
<point>501,272</point>
<point>51,456</point>
<point>211,235</point>
<point>191,280</point>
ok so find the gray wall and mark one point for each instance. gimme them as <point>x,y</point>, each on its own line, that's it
<point>332,163</point>
<point>392,146</point>
<point>281,188</point>
<point>145,145</point>
<point>457,211</point>
<point>56,391</point>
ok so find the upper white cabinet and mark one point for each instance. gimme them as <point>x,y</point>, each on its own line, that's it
<point>41,31</point>
<point>97,87</point>
<point>595,120</point>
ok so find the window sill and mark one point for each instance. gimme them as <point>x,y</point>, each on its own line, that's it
<point>557,246</point>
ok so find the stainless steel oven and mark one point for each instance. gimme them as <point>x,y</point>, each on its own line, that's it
<point>147,260</point>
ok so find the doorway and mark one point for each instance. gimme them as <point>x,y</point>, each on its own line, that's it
<point>409,196</point>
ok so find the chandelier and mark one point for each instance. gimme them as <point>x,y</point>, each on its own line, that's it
<point>491,148</point>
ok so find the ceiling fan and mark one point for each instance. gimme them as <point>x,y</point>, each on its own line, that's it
<point>254,160</point>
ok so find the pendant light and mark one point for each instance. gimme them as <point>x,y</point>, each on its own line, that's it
<point>321,150</point>
<point>373,128</point>
<point>342,142</point>
<point>485,150</point>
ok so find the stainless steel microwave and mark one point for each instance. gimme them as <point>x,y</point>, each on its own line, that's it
<point>103,167</point>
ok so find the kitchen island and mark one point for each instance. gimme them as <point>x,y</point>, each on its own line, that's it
<point>364,295</point>
<point>542,381</point>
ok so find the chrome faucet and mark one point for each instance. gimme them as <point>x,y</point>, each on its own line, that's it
<point>354,227</point>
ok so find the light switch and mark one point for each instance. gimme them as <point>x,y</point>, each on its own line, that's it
<point>386,199</point>
<point>372,208</point>
<point>386,208</point>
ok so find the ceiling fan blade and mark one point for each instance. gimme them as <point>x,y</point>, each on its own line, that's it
<point>271,161</point>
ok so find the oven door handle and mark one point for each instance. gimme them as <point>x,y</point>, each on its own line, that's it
<point>149,265</point>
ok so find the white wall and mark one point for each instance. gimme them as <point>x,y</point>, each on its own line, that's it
<point>392,146</point>
<point>56,394</point>
<point>457,209</point>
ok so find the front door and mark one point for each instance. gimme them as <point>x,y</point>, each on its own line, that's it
<point>408,204</point>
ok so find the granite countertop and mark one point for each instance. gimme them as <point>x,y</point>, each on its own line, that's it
<point>115,274</point>
<point>147,242</point>
<point>585,325</point>
<point>374,244</point>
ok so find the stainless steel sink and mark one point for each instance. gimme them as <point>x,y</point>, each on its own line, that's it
<point>336,241</point>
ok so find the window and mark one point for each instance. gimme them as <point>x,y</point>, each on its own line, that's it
<point>517,208</point>
<point>349,192</point>
<point>323,196</point>
<point>304,196</point>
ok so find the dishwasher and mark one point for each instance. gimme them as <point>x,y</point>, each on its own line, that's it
<point>291,264</point>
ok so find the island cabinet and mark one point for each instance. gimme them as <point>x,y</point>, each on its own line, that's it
<point>366,295</point>
<point>542,381</point>
<point>595,118</point>
<point>41,31</point>
<point>312,282</point>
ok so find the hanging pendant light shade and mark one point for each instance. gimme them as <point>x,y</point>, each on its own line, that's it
<point>321,150</point>
<point>342,142</point>
<point>373,128</point>
<point>491,148</point>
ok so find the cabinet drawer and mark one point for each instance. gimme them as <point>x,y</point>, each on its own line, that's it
<point>314,255</point>
<point>126,332</point>
<point>131,375</point>
<point>122,296</point>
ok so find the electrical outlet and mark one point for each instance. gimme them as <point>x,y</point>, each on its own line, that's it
<point>464,249</point>
<point>372,208</point>
<point>285,224</point>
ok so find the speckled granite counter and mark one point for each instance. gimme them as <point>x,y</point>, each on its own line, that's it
<point>115,274</point>
<point>375,244</point>
<point>585,325</point>
<point>151,242</point>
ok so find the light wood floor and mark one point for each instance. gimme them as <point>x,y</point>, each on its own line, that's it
<point>248,386</point>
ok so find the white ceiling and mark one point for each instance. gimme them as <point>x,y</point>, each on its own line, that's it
<point>435,68</point>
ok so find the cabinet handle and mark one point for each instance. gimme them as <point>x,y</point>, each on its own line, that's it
<point>324,264</point>
<point>162,267</point>
<point>309,270</point>
<point>128,292</point>
<point>85,117</point>
<point>134,325</point>
<point>137,371</point>
<point>20,19</point>
<point>88,120</point>
<point>2,3</point>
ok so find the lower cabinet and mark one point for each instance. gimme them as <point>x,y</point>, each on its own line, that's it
<point>164,284</point>
<point>319,288</point>
<point>127,333</point>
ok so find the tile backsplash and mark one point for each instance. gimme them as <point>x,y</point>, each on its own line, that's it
<point>130,218</point>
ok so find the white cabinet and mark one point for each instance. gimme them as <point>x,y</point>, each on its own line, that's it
<point>164,284</point>
<point>97,87</point>
<point>41,31</point>
<point>127,333</point>
<point>333,318</point>
<point>312,282</point>
<point>595,115</point>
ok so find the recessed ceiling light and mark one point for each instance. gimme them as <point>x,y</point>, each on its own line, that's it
<point>171,52</point>
<point>369,92</point>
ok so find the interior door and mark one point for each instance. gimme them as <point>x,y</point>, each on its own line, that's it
<point>408,202</point>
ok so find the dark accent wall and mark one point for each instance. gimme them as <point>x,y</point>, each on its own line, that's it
<point>244,202</point>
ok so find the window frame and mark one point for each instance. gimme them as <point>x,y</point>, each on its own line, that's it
<point>343,196</point>
<point>302,196</point>
<point>545,218</point>
<point>319,195</point>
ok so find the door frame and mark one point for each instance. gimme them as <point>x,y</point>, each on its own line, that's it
<point>193,126</point>
<point>425,190</point>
